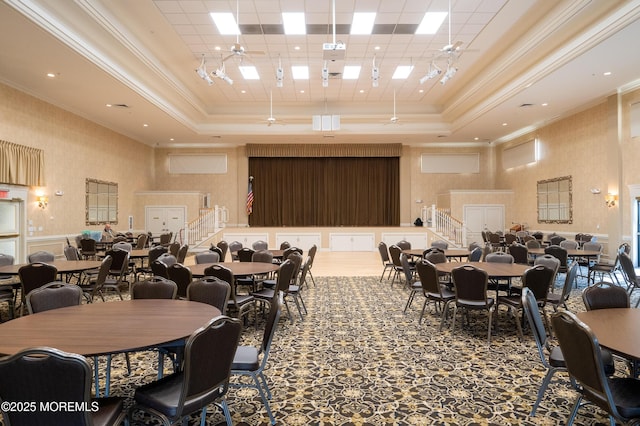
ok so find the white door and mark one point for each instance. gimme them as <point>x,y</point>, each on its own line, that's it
<point>165,219</point>
<point>480,217</point>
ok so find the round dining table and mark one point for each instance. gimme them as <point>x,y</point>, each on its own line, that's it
<point>616,329</point>
<point>458,253</point>
<point>106,328</point>
<point>63,266</point>
<point>238,269</point>
<point>494,270</point>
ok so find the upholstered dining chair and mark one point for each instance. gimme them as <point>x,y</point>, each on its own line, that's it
<point>93,286</point>
<point>260,245</point>
<point>203,380</point>
<point>35,275</point>
<point>387,264</point>
<point>432,289</point>
<point>618,396</point>
<point>210,290</point>
<point>54,295</point>
<point>207,257</point>
<point>470,284</point>
<point>42,375</point>
<point>224,248</point>
<point>240,305</point>
<point>41,256</point>
<point>181,275</point>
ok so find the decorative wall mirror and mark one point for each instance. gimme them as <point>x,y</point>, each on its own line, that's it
<point>102,202</point>
<point>555,200</point>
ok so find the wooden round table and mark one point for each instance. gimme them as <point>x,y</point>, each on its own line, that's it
<point>106,328</point>
<point>493,269</point>
<point>616,329</point>
<point>238,268</point>
<point>63,266</point>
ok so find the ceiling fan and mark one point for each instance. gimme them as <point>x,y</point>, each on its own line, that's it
<point>237,49</point>
<point>394,119</point>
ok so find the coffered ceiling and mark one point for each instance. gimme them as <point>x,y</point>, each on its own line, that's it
<point>522,63</point>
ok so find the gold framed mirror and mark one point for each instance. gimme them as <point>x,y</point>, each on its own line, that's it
<point>555,200</point>
<point>102,202</point>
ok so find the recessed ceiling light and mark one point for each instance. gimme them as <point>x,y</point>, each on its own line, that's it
<point>226,23</point>
<point>243,91</point>
<point>108,105</point>
<point>296,48</point>
<point>362,22</point>
<point>504,124</point>
<point>300,72</point>
<point>351,72</point>
<point>431,22</point>
<point>421,91</point>
<point>145,125</point>
<point>249,72</point>
<point>361,90</point>
<point>294,23</point>
<point>171,139</point>
<point>51,75</point>
<point>606,73</point>
<point>217,48</point>
<point>476,138</point>
<point>544,104</point>
<point>301,91</point>
<point>402,72</point>
<point>376,48</point>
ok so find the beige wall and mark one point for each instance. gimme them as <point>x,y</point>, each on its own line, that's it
<point>585,146</point>
<point>74,149</point>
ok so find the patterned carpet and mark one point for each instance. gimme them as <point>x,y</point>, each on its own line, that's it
<point>357,359</point>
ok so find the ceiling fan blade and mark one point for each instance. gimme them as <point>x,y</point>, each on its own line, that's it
<point>254,52</point>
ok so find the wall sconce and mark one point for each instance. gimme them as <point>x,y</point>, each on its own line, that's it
<point>43,201</point>
<point>611,200</point>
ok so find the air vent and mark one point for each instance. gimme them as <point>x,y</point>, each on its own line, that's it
<point>526,105</point>
<point>335,75</point>
<point>120,105</point>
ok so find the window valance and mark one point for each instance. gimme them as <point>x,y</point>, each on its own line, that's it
<point>21,165</point>
<point>323,150</point>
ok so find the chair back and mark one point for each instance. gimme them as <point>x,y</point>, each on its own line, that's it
<point>218,250</point>
<point>499,257</point>
<point>210,290</point>
<point>122,245</point>
<point>6,259</point>
<point>538,280</point>
<point>224,248</point>
<point>286,274</point>
<point>603,295</point>
<point>270,328</point>
<point>54,295</point>
<point>556,240</point>
<point>510,238</point>
<point>154,288</point>
<point>404,245</point>
<point>406,269</point>
<point>165,239</point>
<point>428,275</point>
<point>208,355</point>
<point>627,268</point>
<point>233,247</point>
<point>182,253</point>
<point>568,244</point>
<point>260,245</point>
<point>120,261</point>
<point>532,243</point>
<point>434,255</point>
<point>520,253</point>
<point>155,252</point>
<point>36,275</point>
<point>207,257</point>
<point>167,258</point>
<point>394,253</point>
<point>583,357</point>
<point>181,275</point>
<point>288,251</point>
<point>304,270</point>
<point>532,312</point>
<point>160,269</point>
<point>41,375</point>
<point>475,255</point>
<point>549,261</point>
<point>71,253</point>
<point>225,274</point>
<point>42,256</point>
<point>312,254</point>
<point>141,241</point>
<point>174,248</point>
<point>87,247</point>
<point>440,244</point>
<point>262,256</point>
<point>569,279</point>
<point>473,246</point>
<point>559,253</point>
<point>384,252</point>
<point>285,245</point>
<point>470,283</point>
<point>296,259</point>
<point>245,254</point>
<point>103,273</point>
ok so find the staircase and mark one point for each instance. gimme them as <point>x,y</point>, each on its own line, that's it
<point>201,229</point>
<point>445,226</point>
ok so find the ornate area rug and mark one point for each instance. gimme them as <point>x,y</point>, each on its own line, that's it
<point>357,359</point>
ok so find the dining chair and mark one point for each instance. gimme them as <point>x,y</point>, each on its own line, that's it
<point>88,248</point>
<point>203,380</point>
<point>182,253</point>
<point>210,290</point>
<point>618,396</point>
<point>40,375</point>
<point>181,275</point>
<point>432,289</point>
<point>260,245</point>
<point>154,253</point>
<point>32,276</point>
<point>471,285</point>
<point>93,286</point>
<point>252,361</point>
<point>224,247</point>
<point>41,256</point>
<point>207,257</point>
<point>629,272</point>
<point>240,305</point>
<point>387,265</point>
<point>54,295</point>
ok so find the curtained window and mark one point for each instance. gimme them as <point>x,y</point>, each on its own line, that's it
<point>21,165</point>
<point>320,191</point>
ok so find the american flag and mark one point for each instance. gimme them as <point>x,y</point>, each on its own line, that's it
<point>250,197</point>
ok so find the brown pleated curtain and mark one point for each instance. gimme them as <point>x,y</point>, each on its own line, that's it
<point>319,191</point>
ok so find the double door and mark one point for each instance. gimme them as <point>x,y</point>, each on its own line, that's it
<point>160,220</point>
<point>478,217</point>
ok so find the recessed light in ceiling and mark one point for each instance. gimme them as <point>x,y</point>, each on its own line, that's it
<point>544,104</point>
<point>51,75</point>
<point>504,124</point>
<point>607,73</point>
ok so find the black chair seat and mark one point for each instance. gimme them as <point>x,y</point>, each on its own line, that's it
<point>475,304</point>
<point>626,393</point>
<point>163,395</point>
<point>246,358</point>
<point>445,295</point>
<point>556,359</point>
<point>109,411</point>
